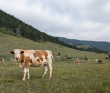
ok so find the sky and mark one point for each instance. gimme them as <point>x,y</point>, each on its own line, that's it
<point>73,19</point>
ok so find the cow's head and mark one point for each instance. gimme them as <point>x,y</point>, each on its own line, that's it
<point>17,53</point>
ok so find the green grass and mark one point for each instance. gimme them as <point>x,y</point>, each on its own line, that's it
<point>85,77</point>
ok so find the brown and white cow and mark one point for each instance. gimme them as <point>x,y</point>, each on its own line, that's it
<point>99,61</point>
<point>1,59</point>
<point>13,60</point>
<point>34,58</point>
<point>77,61</point>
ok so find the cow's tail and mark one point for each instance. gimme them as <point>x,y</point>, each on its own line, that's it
<point>51,55</point>
<point>52,58</point>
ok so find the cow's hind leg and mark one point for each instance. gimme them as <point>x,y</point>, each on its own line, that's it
<point>46,69</point>
<point>50,67</point>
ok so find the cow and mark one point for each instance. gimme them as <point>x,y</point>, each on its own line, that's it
<point>89,60</point>
<point>13,60</point>
<point>96,60</point>
<point>99,61</point>
<point>77,60</point>
<point>34,58</point>
<point>1,59</point>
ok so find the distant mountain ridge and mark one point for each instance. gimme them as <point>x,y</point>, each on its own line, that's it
<point>98,44</point>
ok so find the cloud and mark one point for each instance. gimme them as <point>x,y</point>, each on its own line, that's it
<point>75,19</point>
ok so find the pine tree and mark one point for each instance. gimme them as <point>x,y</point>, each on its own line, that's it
<point>3,30</point>
<point>59,54</point>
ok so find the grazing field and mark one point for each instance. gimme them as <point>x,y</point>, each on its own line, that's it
<point>68,77</point>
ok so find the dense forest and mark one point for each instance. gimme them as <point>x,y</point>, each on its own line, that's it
<point>13,26</point>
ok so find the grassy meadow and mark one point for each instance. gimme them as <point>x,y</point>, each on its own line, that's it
<point>67,77</point>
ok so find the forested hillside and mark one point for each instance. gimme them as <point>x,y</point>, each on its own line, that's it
<point>13,26</point>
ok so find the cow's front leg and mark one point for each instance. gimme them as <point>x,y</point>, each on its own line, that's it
<point>25,71</point>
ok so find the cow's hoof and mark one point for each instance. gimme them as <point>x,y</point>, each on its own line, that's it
<point>49,78</point>
<point>23,80</point>
<point>42,77</point>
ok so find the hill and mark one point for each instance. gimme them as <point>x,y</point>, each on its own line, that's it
<point>15,26</point>
<point>18,28</point>
<point>100,45</point>
<point>10,42</point>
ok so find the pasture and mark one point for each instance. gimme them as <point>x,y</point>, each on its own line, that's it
<point>67,77</point>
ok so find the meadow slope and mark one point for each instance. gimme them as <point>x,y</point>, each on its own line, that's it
<point>8,43</point>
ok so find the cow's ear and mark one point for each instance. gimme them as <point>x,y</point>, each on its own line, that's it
<point>12,52</point>
<point>22,52</point>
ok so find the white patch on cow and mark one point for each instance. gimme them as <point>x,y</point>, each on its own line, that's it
<point>43,57</point>
<point>17,53</point>
<point>29,53</point>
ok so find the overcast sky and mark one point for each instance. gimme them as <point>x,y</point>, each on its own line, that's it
<point>74,19</point>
